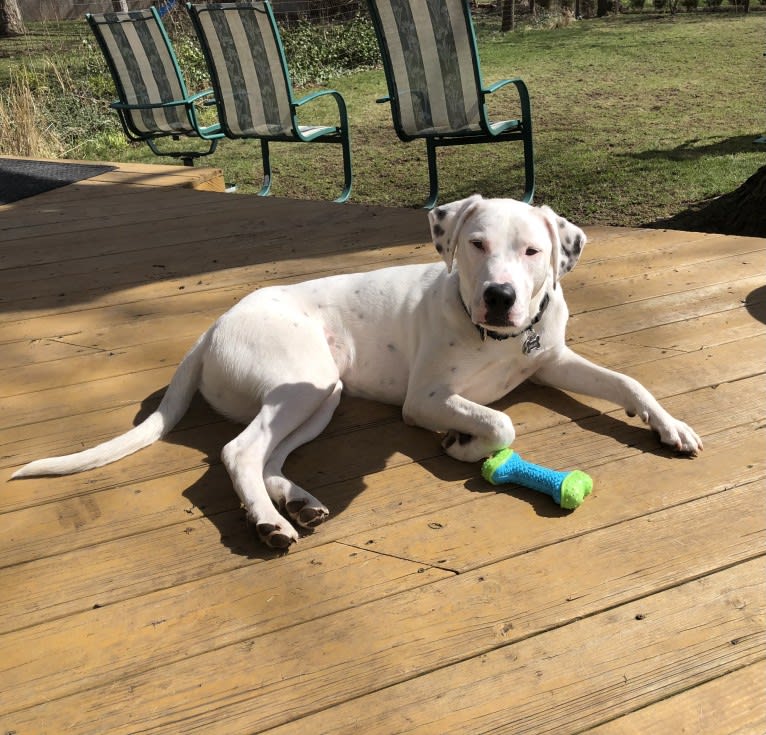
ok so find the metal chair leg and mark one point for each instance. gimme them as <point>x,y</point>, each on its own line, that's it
<point>347,173</point>
<point>433,175</point>
<point>266,187</point>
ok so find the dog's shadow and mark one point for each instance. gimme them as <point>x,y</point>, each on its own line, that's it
<point>362,439</point>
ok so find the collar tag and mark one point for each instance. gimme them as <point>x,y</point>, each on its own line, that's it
<point>531,341</point>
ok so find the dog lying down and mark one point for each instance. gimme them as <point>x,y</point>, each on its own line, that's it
<point>441,340</point>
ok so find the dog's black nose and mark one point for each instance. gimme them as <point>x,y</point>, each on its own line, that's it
<point>499,298</point>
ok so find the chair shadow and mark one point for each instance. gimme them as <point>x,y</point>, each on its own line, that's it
<point>755,303</point>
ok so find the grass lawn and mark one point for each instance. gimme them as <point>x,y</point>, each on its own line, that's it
<point>635,118</point>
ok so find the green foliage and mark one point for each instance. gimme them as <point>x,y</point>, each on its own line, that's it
<point>319,52</point>
<point>192,62</point>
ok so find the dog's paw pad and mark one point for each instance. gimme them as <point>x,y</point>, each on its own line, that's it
<point>305,514</point>
<point>275,536</point>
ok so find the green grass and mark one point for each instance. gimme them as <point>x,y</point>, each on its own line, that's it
<point>635,118</point>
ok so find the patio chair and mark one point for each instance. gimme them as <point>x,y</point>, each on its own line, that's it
<point>153,99</point>
<point>435,85</point>
<point>251,82</point>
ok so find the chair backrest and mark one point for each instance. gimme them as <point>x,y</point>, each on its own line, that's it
<point>247,67</point>
<point>431,63</point>
<point>144,68</point>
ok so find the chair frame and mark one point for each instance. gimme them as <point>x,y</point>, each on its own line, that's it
<point>519,130</point>
<point>211,133</point>
<point>341,134</point>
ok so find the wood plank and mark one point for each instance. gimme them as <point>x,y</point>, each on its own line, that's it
<point>728,705</point>
<point>611,663</point>
<point>684,638</point>
<point>624,318</point>
<point>656,342</point>
<point>365,438</point>
<point>143,286</point>
<point>164,217</point>
<point>192,546</point>
<point>106,644</point>
<point>467,536</point>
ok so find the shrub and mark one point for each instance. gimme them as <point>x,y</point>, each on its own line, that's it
<point>637,4</point>
<point>690,5</point>
<point>318,52</point>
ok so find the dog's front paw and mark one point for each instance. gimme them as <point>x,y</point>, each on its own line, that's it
<point>677,435</point>
<point>466,447</point>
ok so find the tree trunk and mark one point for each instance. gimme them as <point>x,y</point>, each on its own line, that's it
<point>740,212</point>
<point>10,19</point>
<point>507,15</point>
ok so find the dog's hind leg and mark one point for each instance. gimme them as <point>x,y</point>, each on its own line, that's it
<point>302,507</point>
<point>284,410</point>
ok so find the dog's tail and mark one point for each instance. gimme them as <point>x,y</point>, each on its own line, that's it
<point>173,406</point>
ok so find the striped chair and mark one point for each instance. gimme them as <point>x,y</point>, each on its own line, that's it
<point>153,100</point>
<point>248,70</point>
<point>434,82</point>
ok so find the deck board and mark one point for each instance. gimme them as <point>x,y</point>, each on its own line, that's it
<point>136,598</point>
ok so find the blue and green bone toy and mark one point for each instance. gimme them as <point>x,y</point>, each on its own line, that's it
<point>568,489</point>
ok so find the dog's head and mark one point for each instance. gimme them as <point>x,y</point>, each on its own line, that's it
<point>506,252</point>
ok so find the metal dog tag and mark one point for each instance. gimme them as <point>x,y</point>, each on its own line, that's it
<point>531,341</point>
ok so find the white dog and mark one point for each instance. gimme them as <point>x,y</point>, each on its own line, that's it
<point>441,340</point>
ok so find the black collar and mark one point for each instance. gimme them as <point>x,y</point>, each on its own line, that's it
<point>532,339</point>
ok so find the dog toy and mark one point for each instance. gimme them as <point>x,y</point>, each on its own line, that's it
<point>568,489</point>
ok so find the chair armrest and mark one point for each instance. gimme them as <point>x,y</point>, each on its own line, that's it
<point>314,95</point>
<point>338,100</point>
<point>381,100</point>
<point>521,88</point>
<point>518,83</point>
<point>117,105</point>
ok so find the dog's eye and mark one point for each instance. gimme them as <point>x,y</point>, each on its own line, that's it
<point>531,251</point>
<point>478,244</point>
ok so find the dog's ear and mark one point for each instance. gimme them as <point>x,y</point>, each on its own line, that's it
<point>446,222</point>
<point>568,241</point>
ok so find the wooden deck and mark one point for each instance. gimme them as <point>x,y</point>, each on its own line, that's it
<point>135,600</point>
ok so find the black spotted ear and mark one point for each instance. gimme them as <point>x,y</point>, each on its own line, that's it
<point>445,222</point>
<point>571,241</point>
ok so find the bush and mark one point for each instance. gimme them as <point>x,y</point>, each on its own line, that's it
<point>637,4</point>
<point>318,52</point>
<point>690,5</point>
